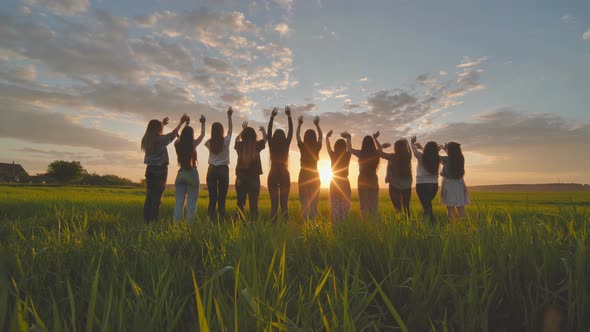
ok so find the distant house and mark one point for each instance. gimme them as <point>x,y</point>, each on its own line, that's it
<point>12,172</point>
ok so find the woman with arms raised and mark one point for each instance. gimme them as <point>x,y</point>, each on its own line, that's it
<point>399,174</point>
<point>426,174</point>
<point>368,183</point>
<point>218,171</point>
<point>154,144</point>
<point>187,179</point>
<point>340,191</point>
<point>279,179</point>
<point>309,178</point>
<point>248,169</point>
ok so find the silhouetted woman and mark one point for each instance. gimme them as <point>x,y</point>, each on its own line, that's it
<point>453,191</point>
<point>309,178</point>
<point>399,174</point>
<point>154,145</point>
<point>187,179</point>
<point>368,183</point>
<point>279,179</point>
<point>340,191</point>
<point>426,174</point>
<point>218,171</point>
<point>249,168</point>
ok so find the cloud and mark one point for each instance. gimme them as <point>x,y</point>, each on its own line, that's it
<point>544,145</point>
<point>568,18</point>
<point>442,73</point>
<point>586,34</point>
<point>364,79</point>
<point>282,28</point>
<point>56,128</point>
<point>467,62</point>
<point>61,7</point>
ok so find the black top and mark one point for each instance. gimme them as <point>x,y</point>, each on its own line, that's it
<point>279,152</point>
<point>309,157</point>
<point>255,166</point>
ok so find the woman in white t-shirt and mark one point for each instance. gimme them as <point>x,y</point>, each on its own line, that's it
<point>218,171</point>
<point>427,174</point>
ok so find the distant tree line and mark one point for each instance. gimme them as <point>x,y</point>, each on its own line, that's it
<point>73,173</point>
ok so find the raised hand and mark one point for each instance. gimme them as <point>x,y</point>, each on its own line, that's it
<point>202,119</point>
<point>244,124</point>
<point>385,145</point>
<point>316,120</point>
<point>376,134</point>
<point>274,112</point>
<point>345,134</point>
<point>413,139</point>
<point>300,121</point>
<point>261,128</point>
<point>166,120</point>
<point>330,133</point>
<point>230,111</point>
<point>419,146</point>
<point>288,110</point>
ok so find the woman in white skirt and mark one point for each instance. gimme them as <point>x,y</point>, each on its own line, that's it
<point>454,191</point>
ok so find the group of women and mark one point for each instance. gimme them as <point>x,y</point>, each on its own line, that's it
<point>249,168</point>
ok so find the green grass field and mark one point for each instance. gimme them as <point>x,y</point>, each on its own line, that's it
<point>81,259</point>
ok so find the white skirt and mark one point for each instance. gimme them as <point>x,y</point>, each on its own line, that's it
<point>454,192</point>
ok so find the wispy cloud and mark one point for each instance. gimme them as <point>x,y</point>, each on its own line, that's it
<point>468,62</point>
<point>586,34</point>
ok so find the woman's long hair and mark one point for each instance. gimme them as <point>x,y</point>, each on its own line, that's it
<point>404,159</point>
<point>154,129</point>
<point>185,150</point>
<point>369,156</point>
<point>310,140</point>
<point>248,150</point>
<point>280,144</point>
<point>430,158</point>
<point>340,161</point>
<point>456,160</point>
<point>216,140</point>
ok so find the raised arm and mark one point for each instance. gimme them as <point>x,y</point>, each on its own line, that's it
<point>316,121</point>
<point>230,127</point>
<point>290,133</point>
<point>348,138</point>
<point>330,151</point>
<point>183,119</point>
<point>200,138</point>
<point>274,113</point>
<point>414,145</point>
<point>298,134</point>
<point>264,136</point>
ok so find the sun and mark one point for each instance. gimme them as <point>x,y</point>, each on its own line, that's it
<point>325,173</point>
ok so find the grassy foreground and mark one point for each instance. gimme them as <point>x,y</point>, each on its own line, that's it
<point>81,259</point>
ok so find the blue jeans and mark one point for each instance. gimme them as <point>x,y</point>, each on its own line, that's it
<point>187,187</point>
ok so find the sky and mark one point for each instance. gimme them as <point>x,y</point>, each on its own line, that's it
<point>80,79</point>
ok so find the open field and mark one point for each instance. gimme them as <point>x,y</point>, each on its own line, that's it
<point>82,259</point>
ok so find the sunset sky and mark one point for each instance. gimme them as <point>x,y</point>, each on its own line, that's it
<point>509,80</point>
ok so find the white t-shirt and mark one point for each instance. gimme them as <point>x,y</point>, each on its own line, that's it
<point>221,158</point>
<point>422,175</point>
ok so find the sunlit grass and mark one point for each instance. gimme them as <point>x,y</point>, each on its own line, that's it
<point>75,259</point>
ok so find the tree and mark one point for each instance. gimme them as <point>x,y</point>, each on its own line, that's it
<point>65,172</point>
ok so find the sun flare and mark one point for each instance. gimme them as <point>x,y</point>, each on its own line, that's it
<point>325,173</point>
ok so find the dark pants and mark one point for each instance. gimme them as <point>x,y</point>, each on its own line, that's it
<point>155,179</point>
<point>368,189</point>
<point>426,193</point>
<point>248,185</point>
<point>217,185</point>
<point>279,186</point>
<point>400,198</point>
